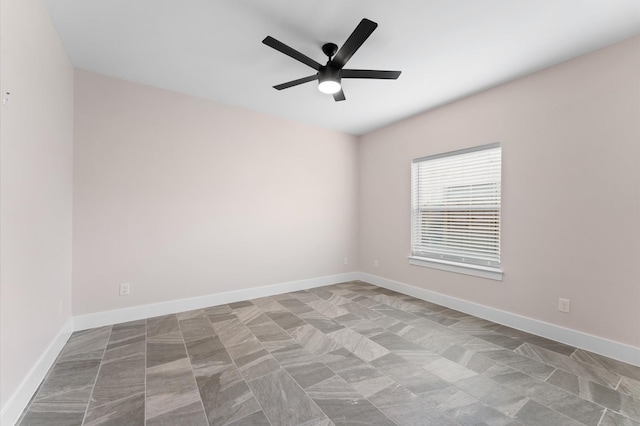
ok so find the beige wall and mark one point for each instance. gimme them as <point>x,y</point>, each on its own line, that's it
<point>35,195</point>
<point>571,193</point>
<point>182,197</point>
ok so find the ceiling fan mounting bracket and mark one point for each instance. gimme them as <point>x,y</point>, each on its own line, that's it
<point>330,49</point>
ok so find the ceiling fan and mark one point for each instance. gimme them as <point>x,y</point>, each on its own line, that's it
<point>330,75</point>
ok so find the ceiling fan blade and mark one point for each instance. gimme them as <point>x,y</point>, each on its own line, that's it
<point>386,75</point>
<point>296,82</point>
<point>353,43</point>
<point>339,96</point>
<point>289,51</point>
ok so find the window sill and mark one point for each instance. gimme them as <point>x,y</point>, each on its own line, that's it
<point>478,271</point>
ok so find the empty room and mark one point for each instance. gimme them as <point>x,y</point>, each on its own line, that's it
<point>320,213</point>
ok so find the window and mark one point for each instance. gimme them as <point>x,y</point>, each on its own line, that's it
<point>455,219</point>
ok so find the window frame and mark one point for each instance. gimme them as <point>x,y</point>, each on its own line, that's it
<point>489,271</point>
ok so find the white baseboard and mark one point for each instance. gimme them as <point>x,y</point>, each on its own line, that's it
<point>599,345</point>
<point>17,403</point>
<point>99,319</point>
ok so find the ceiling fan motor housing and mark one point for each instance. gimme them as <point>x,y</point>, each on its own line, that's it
<point>329,72</point>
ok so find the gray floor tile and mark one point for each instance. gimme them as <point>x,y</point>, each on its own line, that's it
<point>528,366</point>
<point>333,388</point>
<point>395,343</point>
<point>327,309</point>
<point>611,399</point>
<point>353,412</point>
<point>416,379</point>
<point>436,317</point>
<point>126,339</point>
<point>69,377</point>
<point>548,395</point>
<point>592,372</point>
<point>295,306</point>
<point>250,315</point>
<point>350,353</point>
<point>614,419</point>
<point>283,400</point>
<point>253,360</point>
<point>467,410</point>
<point>309,374</point>
<point>445,369</point>
<point>469,359</point>
<point>234,332</point>
<point>188,415</point>
<point>242,304</point>
<point>358,344</point>
<point>395,313</point>
<point>215,310</point>
<point>269,332</point>
<point>78,396</point>
<point>208,356</point>
<point>218,316</point>
<point>320,292</point>
<point>169,387</point>
<point>364,300</point>
<point>629,386</point>
<point>368,328</point>
<point>535,414</point>
<point>542,342</point>
<point>361,311</point>
<point>119,379</point>
<point>473,325</point>
<point>86,344</point>
<point>392,395</point>
<point>493,394</point>
<point>286,320</point>
<point>256,419</point>
<point>618,367</point>
<point>43,414</point>
<point>567,381</point>
<point>616,400</point>
<point>196,328</point>
<point>128,411</point>
<point>226,396</point>
<point>417,413</point>
<point>159,353</point>
<point>313,340</point>
<point>324,324</point>
<point>364,378</point>
<point>158,326</point>
<point>343,405</point>
<point>268,304</point>
<point>498,339</point>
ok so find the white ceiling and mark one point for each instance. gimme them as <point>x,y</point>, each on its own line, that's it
<point>446,49</point>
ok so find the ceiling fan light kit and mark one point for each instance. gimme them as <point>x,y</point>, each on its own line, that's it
<point>329,76</point>
<point>329,80</point>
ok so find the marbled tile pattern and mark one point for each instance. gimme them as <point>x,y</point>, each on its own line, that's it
<point>346,354</point>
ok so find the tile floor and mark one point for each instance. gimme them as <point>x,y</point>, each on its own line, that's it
<point>346,354</point>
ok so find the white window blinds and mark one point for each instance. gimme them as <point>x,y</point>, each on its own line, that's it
<point>456,206</point>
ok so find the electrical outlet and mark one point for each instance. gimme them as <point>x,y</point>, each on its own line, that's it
<point>376,264</point>
<point>346,260</point>
<point>564,305</point>
<point>124,289</point>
